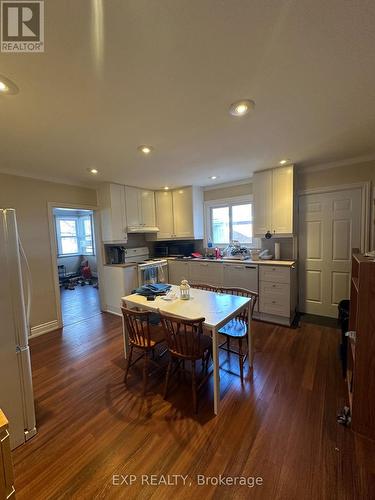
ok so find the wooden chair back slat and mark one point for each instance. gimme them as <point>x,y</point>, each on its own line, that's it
<point>184,337</point>
<point>137,324</point>
<point>203,286</point>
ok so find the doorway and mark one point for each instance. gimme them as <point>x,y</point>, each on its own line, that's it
<point>76,264</point>
<point>331,224</point>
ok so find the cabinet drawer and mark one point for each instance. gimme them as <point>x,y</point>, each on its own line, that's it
<point>276,274</point>
<point>279,290</point>
<point>274,304</point>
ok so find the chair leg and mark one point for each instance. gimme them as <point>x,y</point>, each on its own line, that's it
<point>167,375</point>
<point>145,372</point>
<point>240,357</point>
<point>228,344</point>
<point>128,364</point>
<point>194,386</point>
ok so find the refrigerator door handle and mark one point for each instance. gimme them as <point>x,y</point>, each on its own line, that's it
<point>28,283</point>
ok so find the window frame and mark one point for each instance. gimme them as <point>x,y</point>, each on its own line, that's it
<point>80,234</point>
<point>226,202</point>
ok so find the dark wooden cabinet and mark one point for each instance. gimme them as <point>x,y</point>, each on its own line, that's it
<point>361,352</point>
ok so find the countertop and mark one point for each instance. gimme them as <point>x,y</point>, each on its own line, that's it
<point>287,263</point>
<point>128,264</point>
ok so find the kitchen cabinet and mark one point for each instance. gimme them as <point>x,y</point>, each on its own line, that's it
<point>208,273</point>
<point>6,468</point>
<point>111,198</point>
<point>274,201</point>
<point>164,213</point>
<point>179,214</point>
<point>117,281</point>
<point>140,208</point>
<point>178,270</point>
<point>241,276</point>
<point>277,293</point>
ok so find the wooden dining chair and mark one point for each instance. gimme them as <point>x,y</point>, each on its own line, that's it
<point>202,286</point>
<point>237,328</point>
<point>186,342</point>
<point>144,336</point>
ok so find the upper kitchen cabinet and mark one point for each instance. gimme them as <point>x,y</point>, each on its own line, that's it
<point>274,201</point>
<point>164,214</point>
<point>111,198</point>
<point>179,214</point>
<point>140,210</point>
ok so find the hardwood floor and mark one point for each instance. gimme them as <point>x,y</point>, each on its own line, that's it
<point>280,426</point>
<point>79,304</point>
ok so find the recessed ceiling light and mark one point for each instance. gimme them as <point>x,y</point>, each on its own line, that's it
<point>213,177</point>
<point>145,149</point>
<point>7,86</point>
<point>166,188</point>
<point>241,108</point>
<point>284,162</point>
<point>93,171</point>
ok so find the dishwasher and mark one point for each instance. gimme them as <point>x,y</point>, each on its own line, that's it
<point>242,276</point>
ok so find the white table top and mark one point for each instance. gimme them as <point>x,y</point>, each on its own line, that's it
<point>216,308</point>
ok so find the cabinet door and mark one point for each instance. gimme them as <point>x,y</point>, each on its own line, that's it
<point>131,279</point>
<point>215,273</point>
<point>200,273</point>
<point>282,200</point>
<point>178,271</point>
<point>262,186</point>
<point>133,209</point>
<point>116,230</point>
<point>147,201</point>
<point>164,211</point>
<point>183,213</point>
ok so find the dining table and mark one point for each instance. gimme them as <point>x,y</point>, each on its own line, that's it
<point>217,309</point>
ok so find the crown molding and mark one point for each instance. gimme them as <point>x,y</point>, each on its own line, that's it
<point>46,178</point>
<point>335,164</point>
<point>248,180</point>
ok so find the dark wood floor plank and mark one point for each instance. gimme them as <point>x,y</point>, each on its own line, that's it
<point>280,425</point>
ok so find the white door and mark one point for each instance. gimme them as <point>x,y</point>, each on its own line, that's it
<point>329,227</point>
<point>164,211</point>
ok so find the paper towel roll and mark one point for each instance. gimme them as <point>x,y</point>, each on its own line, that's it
<point>277,251</point>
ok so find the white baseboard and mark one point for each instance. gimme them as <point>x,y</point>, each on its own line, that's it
<point>50,326</point>
<point>112,310</point>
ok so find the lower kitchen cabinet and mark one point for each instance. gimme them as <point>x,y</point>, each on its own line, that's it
<point>209,273</point>
<point>117,282</point>
<point>242,276</point>
<point>277,294</point>
<point>275,284</point>
<point>178,270</point>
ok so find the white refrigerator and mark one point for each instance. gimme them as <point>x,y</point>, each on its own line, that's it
<point>16,388</point>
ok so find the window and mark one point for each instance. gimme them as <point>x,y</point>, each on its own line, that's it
<point>74,235</point>
<point>228,220</point>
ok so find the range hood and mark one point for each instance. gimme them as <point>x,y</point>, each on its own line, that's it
<point>142,229</point>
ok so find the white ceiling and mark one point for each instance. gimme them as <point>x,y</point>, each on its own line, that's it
<point>164,72</point>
